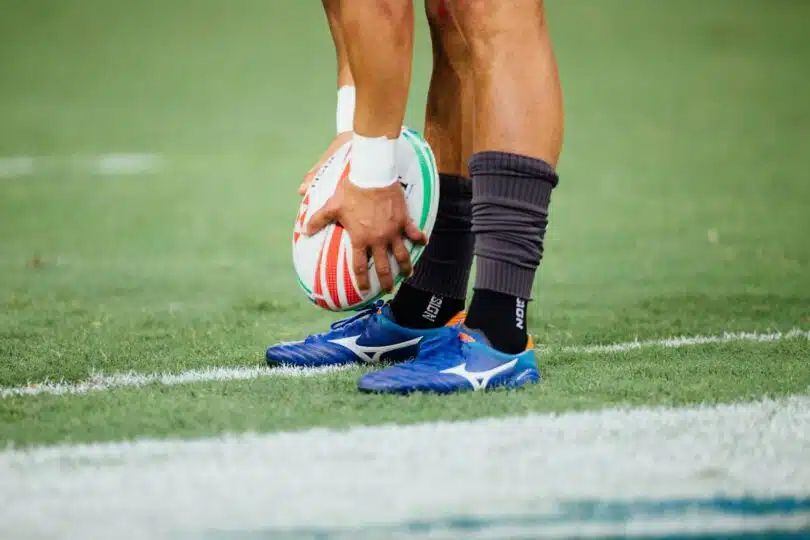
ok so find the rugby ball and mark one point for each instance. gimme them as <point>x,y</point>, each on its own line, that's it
<point>323,262</point>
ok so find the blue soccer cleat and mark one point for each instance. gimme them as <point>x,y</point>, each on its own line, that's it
<point>456,360</point>
<point>370,336</point>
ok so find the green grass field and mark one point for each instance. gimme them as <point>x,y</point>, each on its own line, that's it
<point>682,211</point>
<point>149,157</point>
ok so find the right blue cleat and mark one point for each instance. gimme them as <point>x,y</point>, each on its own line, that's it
<point>371,336</point>
<point>457,360</point>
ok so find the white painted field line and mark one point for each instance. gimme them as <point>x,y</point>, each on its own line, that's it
<point>16,166</point>
<point>110,164</point>
<point>371,482</point>
<point>101,382</point>
<point>684,341</point>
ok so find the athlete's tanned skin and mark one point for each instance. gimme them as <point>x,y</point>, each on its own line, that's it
<point>494,121</point>
<point>494,86</point>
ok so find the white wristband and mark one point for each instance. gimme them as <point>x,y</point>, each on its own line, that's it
<point>373,162</point>
<point>344,116</point>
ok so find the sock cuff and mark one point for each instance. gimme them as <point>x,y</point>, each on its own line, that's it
<point>511,196</point>
<point>504,278</point>
<point>520,170</point>
<point>455,210</point>
<point>454,187</point>
<point>444,268</point>
<point>440,278</point>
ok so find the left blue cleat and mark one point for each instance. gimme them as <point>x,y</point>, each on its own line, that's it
<point>455,360</point>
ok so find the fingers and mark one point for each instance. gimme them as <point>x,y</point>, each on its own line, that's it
<point>321,218</point>
<point>360,267</point>
<point>302,189</point>
<point>339,141</point>
<point>310,175</point>
<point>402,257</point>
<point>383,267</point>
<point>414,234</point>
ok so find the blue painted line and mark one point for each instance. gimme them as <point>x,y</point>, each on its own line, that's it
<point>574,513</point>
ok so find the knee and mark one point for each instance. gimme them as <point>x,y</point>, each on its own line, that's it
<point>448,44</point>
<point>489,24</point>
<point>390,14</point>
<point>438,13</point>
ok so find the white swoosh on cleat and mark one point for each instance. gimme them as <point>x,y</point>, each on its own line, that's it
<point>480,379</point>
<point>371,354</point>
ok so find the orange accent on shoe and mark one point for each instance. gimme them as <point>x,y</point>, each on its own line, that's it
<point>530,344</point>
<point>457,318</point>
<point>467,338</point>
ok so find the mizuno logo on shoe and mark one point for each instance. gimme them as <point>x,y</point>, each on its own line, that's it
<point>372,354</point>
<point>480,379</point>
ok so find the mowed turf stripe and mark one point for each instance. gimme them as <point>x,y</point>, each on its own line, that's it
<point>728,468</point>
<point>101,382</point>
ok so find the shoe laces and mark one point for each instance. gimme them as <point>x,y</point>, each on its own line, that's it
<point>448,344</point>
<point>352,322</point>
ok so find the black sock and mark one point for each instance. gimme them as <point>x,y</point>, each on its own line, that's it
<point>416,308</point>
<point>511,196</point>
<point>438,288</point>
<point>502,319</point>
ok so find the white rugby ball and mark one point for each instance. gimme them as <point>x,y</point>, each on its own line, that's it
<point>323,262</point>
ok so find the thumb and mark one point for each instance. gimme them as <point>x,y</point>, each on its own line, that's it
<point>414,233</point>
<point>321,218</point>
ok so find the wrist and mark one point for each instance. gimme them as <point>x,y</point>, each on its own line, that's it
<point>344,116</point>
<point>373,162</point>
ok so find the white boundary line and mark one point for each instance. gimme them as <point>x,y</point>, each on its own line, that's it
<point>683,341</point>
<point>112,164</point>
<point>101,382</point>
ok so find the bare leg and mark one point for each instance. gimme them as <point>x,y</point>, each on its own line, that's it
<point>448,119</point>
<point>518,99</point>
<point>438,288</point>
<point>517,138</point>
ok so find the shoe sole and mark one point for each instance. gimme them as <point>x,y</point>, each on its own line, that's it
<point>527,376</point>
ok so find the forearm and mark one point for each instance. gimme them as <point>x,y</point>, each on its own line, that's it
<point>378,38</point>
<point>333,17</point>
<point>344,115</point>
